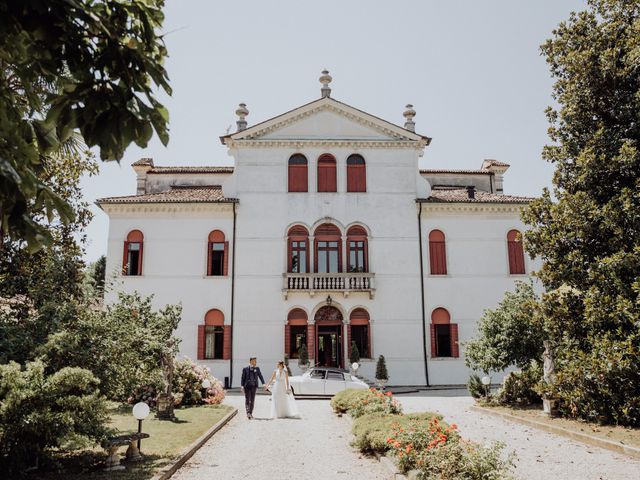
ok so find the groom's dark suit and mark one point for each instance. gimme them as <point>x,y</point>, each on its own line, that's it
<point>249,382</point>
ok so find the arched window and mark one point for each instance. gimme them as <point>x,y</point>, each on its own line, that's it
<point>357,250</point>
<point>295,332</point>
<point>516,252</point>
<point>298,173</point>
<point>214,337</point>
<point>360,332</point>
<point>327,173</point>
<point>328,249</point>
<point>437,253</point>
<point>132,253</point>
<point>217,255</point>
<point>298,250</point>
<point>444,335</point>
<point>356,174</point>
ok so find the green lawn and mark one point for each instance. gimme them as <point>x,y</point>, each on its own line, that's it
<point>167,440</point>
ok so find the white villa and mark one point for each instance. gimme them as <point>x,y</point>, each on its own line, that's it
<point>323,233</point>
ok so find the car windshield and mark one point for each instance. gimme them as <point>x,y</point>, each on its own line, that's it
<point>317,374</point>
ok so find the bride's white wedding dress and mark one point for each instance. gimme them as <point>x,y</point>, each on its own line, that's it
<point>283,405</point>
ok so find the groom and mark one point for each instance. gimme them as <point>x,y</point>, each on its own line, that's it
<point>249,385</point>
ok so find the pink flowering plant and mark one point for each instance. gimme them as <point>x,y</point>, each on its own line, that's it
<point>187,385</point>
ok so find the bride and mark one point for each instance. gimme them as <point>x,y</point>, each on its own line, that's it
<point>283,405</point>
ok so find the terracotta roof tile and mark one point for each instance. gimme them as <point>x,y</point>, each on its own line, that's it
<point>461,196</point>
<point>203,169</point>
<point>177,194</point>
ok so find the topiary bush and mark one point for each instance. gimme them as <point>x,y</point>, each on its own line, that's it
<point>354,354</point>
<point>372,431</point>
<point>519,388</point>
<point>381,369</point>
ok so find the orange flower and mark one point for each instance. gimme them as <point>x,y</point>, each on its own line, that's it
<point>388,394</point>
<point>454,426</point>
<point>390,440</point>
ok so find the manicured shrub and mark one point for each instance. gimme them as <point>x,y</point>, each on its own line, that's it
<point>187,385</point>
<point>381,369</point>
<point>476,389</point>
<point>375,402</point>
<point>354,354</point>
<point>303,355</point>
<point>518,388</point>
<point>345,400</point>
<point>372,431</point>
<point>40,412</point>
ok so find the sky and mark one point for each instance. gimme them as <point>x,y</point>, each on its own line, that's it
<point>472,69</point>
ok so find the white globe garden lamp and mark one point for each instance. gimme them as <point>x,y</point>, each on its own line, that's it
<point>206,384</point>
<point>140,412</point>
<point>486,381</point>
<point>355,366</point>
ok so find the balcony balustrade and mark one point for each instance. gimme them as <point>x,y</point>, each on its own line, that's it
<point>313,283</point>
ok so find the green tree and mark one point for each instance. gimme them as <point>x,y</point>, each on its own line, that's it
<point>66,66</point>
<point>589,236</point>
<point>510,334</point>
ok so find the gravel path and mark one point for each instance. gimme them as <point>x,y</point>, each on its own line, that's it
<point>317,446</point>
<point>540,454</point>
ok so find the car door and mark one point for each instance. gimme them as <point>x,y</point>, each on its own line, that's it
<point>314,384</point>
<point>334,382</point>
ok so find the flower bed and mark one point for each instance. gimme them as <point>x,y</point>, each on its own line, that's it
<point>419,441</point>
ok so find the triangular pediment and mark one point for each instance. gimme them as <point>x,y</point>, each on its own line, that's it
<point>326,119</point>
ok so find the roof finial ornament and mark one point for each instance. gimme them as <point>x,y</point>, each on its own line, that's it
<point>325,80</point>
<point>409,113</point>
<point>242,112</point>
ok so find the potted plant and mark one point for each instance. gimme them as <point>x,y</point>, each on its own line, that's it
<point>354,357</point>
<point>303,358</point>
<point>382,376</point>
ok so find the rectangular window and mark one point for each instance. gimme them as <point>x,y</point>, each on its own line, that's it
<point>443,340</point>
<point>299,257</point>
<point>217,258</point>
<point>298,338</point>
<point>356,256</point>
<point>133,259</point>
<point>213,342</point>
<point>360,335</point>
<point>328,257</point>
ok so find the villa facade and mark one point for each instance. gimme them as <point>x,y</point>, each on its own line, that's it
<point>323,233</point>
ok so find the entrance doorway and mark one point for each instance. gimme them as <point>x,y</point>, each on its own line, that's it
<point>329,351</point>
<point>329,343</point>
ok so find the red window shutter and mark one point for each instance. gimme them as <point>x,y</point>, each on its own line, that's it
<point>209,249</point>
<point>287,339</point>
<point>327,174</point>
<point>226,343</point>
<point>200,350</point>
<point>433,341</point>
<point>332,184</point>
<point>453,332</point>
<point>226,259</point>
<point>356,178</point>
<point>298,178</point>
<point>140,259</point>
<point>311,340</point>
<point>437,258</point>
<point>125,255</point>
<point>516,258</point>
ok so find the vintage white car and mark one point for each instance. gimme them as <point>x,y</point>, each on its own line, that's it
<point>324,382</point>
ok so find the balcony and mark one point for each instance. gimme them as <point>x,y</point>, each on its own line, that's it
<point>313,283</point>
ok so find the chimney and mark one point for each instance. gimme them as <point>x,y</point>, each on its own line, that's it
<point>497,169</point>
<point>142,167</point>
<point>409,113</point>
<point>242,113</point>
<point>471,192</point>
<point>325,80</point>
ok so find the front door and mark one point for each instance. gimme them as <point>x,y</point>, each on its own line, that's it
<point>329,340</point>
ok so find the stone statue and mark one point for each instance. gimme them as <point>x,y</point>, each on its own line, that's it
<point>548,366</point>
<point>165,399</point>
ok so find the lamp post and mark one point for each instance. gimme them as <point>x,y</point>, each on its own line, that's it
<point>140,411</point>
<point>486,381</point>
<point>355,366</point>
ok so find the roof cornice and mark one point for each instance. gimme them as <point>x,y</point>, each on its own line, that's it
<point>497,208</point>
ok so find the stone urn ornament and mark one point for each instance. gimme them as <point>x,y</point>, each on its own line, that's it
<point>382,376</point>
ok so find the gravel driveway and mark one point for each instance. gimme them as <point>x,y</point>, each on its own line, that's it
<point>540,454</point>
<point>317,446</point>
